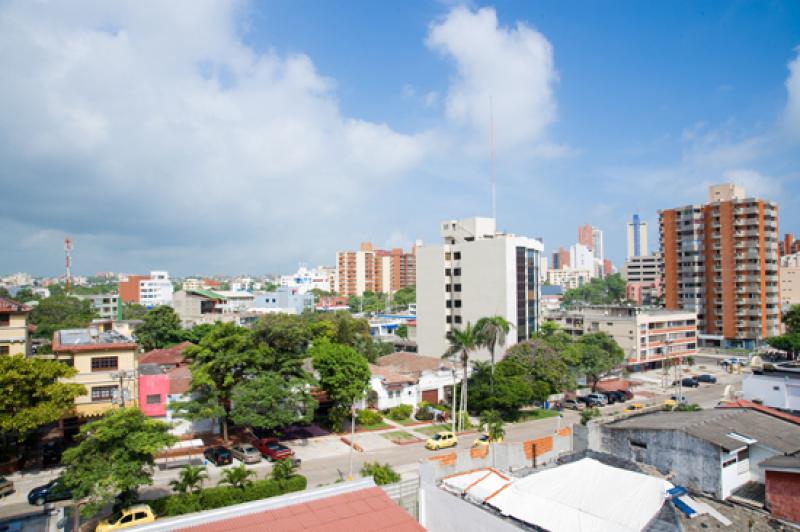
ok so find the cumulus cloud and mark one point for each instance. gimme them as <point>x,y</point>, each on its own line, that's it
<point>512,67</point>
<point>792,113</point>
<point>156,120</point>
<point>755,183</point>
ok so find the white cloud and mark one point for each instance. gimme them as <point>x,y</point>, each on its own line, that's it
<point>755,184</point>
<point>512,67</point>
<point>792,112</point>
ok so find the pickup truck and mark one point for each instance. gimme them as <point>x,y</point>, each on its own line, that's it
<point>272,450</point>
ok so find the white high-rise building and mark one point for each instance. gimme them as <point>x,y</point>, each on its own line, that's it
<point>581,258</point>
<point>155,291</point>
<point>305,280</point>
<point>597,244</point>
<point>637,238</point>
<point>477,272</point>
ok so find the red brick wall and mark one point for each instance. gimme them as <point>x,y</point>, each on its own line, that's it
<point>783,495</point>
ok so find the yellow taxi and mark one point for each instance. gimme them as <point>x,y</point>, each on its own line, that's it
<point>634,406</point>
<point>483,440</point>
<point>442,440</point>
<point>136,515</point>
<point>671,403</point>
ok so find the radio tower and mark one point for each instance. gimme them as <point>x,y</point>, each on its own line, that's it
<point>68,260</point>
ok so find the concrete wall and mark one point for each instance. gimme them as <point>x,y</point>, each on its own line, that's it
<point>440,511</point>
<point>775,391</point>
<point>783,495</point>
<point>693,463</point>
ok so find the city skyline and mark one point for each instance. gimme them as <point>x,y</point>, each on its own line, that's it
<point>252,137</point>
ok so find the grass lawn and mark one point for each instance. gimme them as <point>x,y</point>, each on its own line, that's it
<point>409,421</point>
<point>431,430</point>
<point>376,426</point>
<point>399,435</point>
<point>539,413</point>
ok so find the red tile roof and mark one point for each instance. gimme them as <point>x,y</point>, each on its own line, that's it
<point>741,403</point>
<point>9,305</point>
<point>389,376</point>
<point>180,380</point>
<point>363,510</point>
<point>165,357</point>
<point>411,363</point>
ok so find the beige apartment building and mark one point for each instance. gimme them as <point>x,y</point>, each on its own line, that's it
<point>790,281</point>
<point>374,270</point>
<point>720,260</point>
<point>106,362</point>
<point>647,336</point>
<point>14,333</point>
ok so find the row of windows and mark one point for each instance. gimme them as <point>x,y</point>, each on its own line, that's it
<point>103,393</point>
<point>452,319</point>
<point>105,363</point>
<point>455,272</point>
<point>452,288</point>
<point>453,303</point>
<point>456,255</point>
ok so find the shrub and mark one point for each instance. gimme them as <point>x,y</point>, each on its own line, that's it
<point>400,413</point>
<point>423,415</point>
<point>589,413</point>
<point>368,417</point>
<point>283,470</point>
<point>381,474</point>
<point>694,407</point>
<point>372,398</point>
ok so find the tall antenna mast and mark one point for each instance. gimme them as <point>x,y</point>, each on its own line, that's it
<point>494,177</point>
<point>68,261</point>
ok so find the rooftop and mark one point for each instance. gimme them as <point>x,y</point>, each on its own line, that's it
<point>91,339</point>
<point>170,356</point>
<point>412,363</point>
<point>9,305</point>
<point>720,426</point>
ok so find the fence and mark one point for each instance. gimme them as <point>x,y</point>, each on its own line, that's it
<point>406,494</point>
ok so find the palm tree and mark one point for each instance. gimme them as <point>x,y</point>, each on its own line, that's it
<point>462,342</point>
<point>492,332</point>
<point>237,477</point>
<point>494,425</point>
<point>190,478</point>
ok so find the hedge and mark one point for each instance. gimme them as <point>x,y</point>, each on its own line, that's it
<point>400,412</point>
<point>368,417</point>
<point>220,496</point>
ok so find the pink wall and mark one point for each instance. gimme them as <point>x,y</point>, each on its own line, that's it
<point>152,385</point>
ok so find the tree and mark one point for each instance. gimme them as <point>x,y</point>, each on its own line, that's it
<point>402,331</point>
<point>190,478</point>
<point>512,387</point>
<point>161,328</point>
<point>343,373</point>
<point>25,294</point>
<point>60,312</point>
<point>790,343</point>
<point>791,319</point>
<point>493,424</point>
<point>271,401</point>
<point>492,332</point>
<point>283,470</point>
<point>599,291</point>
<point>598,355</point>
<point>115,454</point>
<point>288,338</point>
<point>237,477</point>
<point>225,357</point>
<point>462,343</point>
<point>545,363</point>
<point>405,296</point>
<point>196,333</point>
<point>4,292</point>
<point>133,311</point>
<point>32,394</point>
<point>381,474</point>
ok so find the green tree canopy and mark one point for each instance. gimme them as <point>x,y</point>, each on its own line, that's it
<point>789,343</point>
<point>287,337</point>
<point>462,343</point>
<point>226,356</point>
<point>492,423</point>
<point>598,354</point>
<point>133,311</point>
<point>272,401</point>
<point>599,291</point>
<point>402,331</point>
<point>161,328</point>
<point>343,373</point>
<point>115,454</point>
<point>544,363</point>
<point>791,319</point>
<point>492,331</point>
<point>512,387</point>
<point>405,296</point>
<point>32,394</point>
<point>60,312</point>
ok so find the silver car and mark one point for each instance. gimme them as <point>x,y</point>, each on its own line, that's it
<point>246,453</point>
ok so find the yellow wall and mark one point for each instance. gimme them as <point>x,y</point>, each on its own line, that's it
<point>82,361</point>
<point>15,335</point>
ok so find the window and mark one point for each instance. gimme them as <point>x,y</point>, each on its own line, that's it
<point>456,288</point>
<point>448,319</point>
<point>103,393</point>
<point>447,288</point>
<point>457,255</point>
<point>447,272</point>
<point>457,303</point>
<point>104,363</point>
<point>5,319</point>
<point>154,399</point>
<point>458,319</point>
<point>4,349</point>
<point>456,271</point>
<point>447,255</point>
<point>638,444</point>
<point>448,304</point>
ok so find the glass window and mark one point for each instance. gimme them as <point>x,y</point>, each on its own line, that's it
<point>103,393</point>
<point>154,399</point>
<point>457,255</point>
<point>104,363</point>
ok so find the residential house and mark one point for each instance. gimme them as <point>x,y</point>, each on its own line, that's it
<point>774,385</point>
<point>106,305</point>
<point>408,378</point>
<point>14,332</point>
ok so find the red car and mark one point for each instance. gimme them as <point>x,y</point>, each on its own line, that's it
<point>272,450</point>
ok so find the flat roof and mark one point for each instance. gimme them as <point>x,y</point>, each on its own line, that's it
<point>91,339</point>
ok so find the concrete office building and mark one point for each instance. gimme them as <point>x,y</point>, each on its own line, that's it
<point>790,281</point>
<point>597,244</point>
<point>581,258</point>
<point>721,261</point>
<point>148,290</point>
<point>637,237</point>
<point>106,305</point>
<point>476,272</point>
<point>647,336</point>
<point>642,269</point>
<point>568,278</point>
<point>560,259</point>
<point>374,270</point>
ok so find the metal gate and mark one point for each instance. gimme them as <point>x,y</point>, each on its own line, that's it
<point>406,494</point>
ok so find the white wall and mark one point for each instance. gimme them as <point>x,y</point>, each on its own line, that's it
<point>775,391</point>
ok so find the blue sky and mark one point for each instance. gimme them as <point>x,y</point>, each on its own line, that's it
<point>221,137</point>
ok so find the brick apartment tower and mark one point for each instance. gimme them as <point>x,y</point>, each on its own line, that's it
<point>721,260</point>
<point>585,235</point>
<point>129,289</point>
<point>560,259</point>
<point>374,270</point>
<point>789,245</point>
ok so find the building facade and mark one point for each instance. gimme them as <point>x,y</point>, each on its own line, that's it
<point>568,278</point>
<point>476,272</point>
<point>560,259</point>
<point>129,288</point>
<point>642,269</point>
<point>789,245</point>
<point>647,336</point>
<point>156,290</point>
<point>790,281</point>
<point>637,238</point>
<point>374,270</point>
<point>14,333</point>
<point>106,305</point>
<point>304,280</point>
<point>581,258</point>
<point>720,260</point>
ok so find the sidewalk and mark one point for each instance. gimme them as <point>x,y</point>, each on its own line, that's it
<point>397,426</point>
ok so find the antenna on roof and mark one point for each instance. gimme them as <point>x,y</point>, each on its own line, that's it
<point>68,262</point>
<point>494,177</point>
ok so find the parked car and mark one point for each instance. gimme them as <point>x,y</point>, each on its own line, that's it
<point>574,404</point>
<point>707,378</point>
<point>136,515</point>
<point>687,382</point>
<point>634,406</point>
<point>55,490</point>
<point>6,487</point>
<point>442,440</point>
<point>596,399</point>
<point>679,399</point>
<point>616,396</point>
<point>246,453</point>
<point>219,455</point>
<point>272,450</point>
<point>483,440</point>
